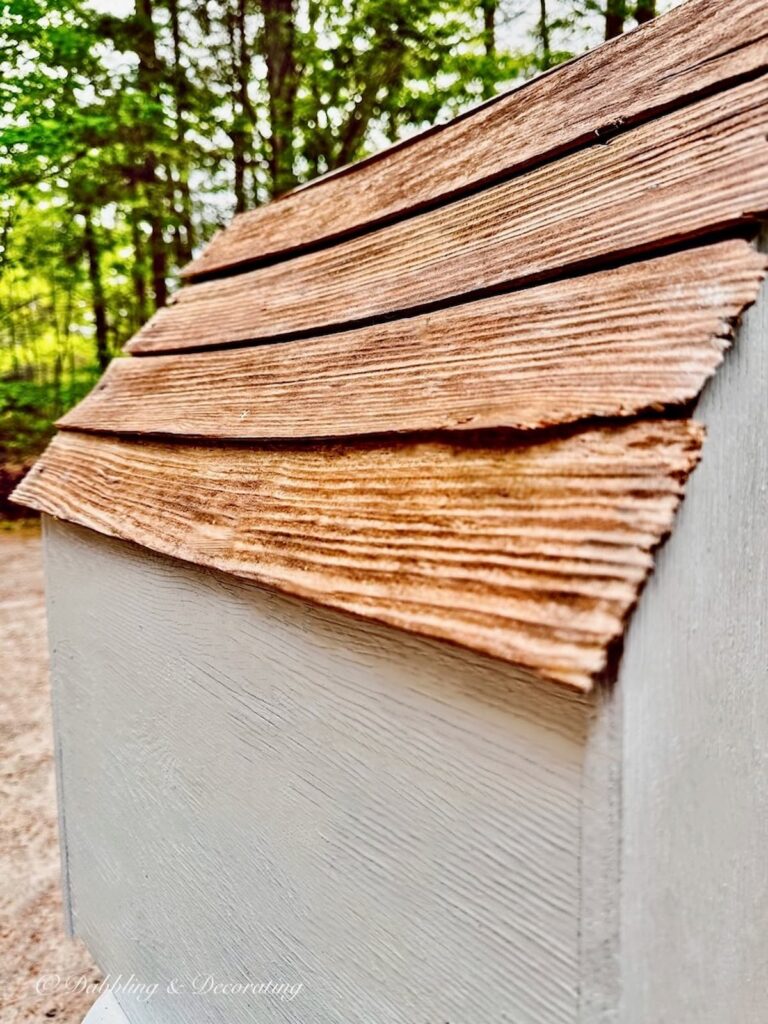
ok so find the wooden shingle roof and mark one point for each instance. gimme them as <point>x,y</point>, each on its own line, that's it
<point>450,387</point>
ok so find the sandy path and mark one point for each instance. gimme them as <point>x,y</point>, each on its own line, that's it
<point>32,939</point>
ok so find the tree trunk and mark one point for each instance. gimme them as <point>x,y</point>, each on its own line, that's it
<point>138,272</point>
<point>489,8</point>
<point>242,115</point>
<point>185,233</point>
<point>98,303</point>
<point>278,46</point>
<point>546,53</point>
<point>645,11</point>
<point>159,261</point>
<point>148,77</point>
<point>615,16</point>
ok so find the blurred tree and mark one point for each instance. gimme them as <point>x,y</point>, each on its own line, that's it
<point>543,32</point>
<point>615,17</point>
<point>644,11</point>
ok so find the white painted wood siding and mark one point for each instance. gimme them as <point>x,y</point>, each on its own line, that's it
<point>694,913</point>
<point>106,1010</point>
<point>258,790</point>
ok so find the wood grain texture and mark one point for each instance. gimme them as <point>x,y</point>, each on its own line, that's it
<point>694,171</point>
<point>700,46</point>
<point>641,336</point>
<point>534,554</point>
<point>260,789</point>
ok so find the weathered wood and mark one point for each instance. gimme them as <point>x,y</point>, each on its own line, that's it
<point>259,789</point>
<point>694,171</point>
<point>610,344</point>
<point>698,47</point>
<point>534,554</point>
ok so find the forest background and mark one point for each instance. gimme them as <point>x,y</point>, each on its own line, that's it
<point>131,131</point>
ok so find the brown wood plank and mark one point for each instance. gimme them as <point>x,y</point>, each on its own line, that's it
<point>694,171</point>
<point>609,344</point>
<point>534,554</point>
<point>697,47</point>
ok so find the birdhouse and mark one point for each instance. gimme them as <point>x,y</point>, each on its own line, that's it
<point>355,722</point>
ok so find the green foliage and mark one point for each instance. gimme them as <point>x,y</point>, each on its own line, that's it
<point>28,409</point>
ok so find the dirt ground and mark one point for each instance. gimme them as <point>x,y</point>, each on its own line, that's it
<point>34,948</point>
